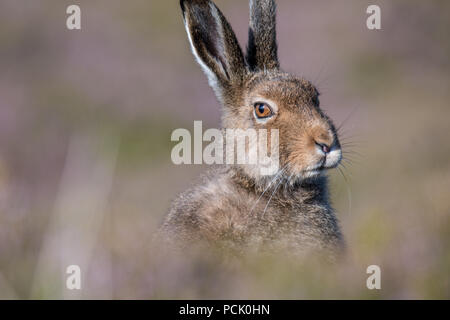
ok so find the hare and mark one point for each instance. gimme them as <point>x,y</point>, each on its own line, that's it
<point>235,206</point>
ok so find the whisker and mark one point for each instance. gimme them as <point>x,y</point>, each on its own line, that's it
<point>349,191</point>
<point>267,188</point>
<point>350,144</point>
<point>267,205</point>
<point>351,113</point>
<point>351,152</point>
<point>346,171</point>
<point>351,139</point>
<point>350,159</point>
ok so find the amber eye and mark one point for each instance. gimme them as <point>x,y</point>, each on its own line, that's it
<point>262,110</point>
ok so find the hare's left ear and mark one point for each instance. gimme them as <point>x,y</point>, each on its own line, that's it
<point>262,51</point>
<point>213,43</point>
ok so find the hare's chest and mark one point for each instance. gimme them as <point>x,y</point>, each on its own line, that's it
<point>252,223</point>
<point>246,219</point>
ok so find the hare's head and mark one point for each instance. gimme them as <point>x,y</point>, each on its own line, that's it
<point>255,93</point>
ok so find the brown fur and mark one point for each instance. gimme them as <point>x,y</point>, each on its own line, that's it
<point>232,207</point>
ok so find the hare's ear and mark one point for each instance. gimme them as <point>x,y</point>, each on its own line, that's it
<point>213,43</point>
<point>262,51</point>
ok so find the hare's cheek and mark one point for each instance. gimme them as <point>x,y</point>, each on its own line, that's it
<point>298,160</point>
<point>302,155</point>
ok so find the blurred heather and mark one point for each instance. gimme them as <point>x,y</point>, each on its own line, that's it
<point>85,169</point>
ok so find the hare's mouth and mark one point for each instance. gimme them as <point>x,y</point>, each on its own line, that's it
<point>331,161</point>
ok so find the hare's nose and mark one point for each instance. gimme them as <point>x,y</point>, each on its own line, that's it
<point>324,147</point>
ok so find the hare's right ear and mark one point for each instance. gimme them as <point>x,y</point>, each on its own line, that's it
<point>213,43</point>
<point>262,51</point>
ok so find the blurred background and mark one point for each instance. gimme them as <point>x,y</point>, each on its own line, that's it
<point>85,170</point>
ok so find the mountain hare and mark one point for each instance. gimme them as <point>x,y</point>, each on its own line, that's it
<point>235,206</point>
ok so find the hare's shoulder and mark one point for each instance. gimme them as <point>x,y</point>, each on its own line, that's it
<point>211,209</point>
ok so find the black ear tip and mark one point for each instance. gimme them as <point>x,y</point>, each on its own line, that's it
<point>182,2</point>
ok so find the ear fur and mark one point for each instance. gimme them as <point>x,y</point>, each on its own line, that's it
<point>262,50</point>
<point>213,44</point>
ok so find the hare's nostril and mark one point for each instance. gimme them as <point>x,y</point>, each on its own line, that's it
<point>325,148</point>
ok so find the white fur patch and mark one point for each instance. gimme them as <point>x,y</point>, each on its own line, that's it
<point>333,158</point>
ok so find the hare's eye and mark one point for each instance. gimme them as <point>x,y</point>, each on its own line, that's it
<point>262,110</point>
